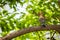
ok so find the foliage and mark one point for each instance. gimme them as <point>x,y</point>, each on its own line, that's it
<point>8,22</point>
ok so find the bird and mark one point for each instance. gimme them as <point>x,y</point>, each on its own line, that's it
<point>42,19</point>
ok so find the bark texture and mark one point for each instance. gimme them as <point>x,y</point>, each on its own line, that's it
<point>30,29</point>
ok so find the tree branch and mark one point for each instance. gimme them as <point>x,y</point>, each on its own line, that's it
<point>59,3</point>
<point>31,29</point>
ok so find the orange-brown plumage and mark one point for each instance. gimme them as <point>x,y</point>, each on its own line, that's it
<point>41,18</point>
<point>40,14</point>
